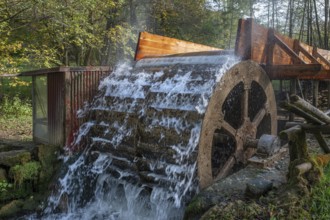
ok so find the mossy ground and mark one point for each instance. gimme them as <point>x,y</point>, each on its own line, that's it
<point>299,200</point>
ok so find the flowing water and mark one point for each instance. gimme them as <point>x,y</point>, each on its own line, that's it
<point>138,107</point>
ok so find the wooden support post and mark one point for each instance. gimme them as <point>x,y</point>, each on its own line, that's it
<point>293,91</point>
<point>323,144</point>
<point>315,92</point>
<point>297,142</point>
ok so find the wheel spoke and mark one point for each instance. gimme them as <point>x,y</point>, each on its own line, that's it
<point>245,104</point>
<point>226,168</point>
<point>228,128</point>
<point>258,118</point>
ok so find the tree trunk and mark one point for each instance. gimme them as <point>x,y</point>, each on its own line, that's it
<point>301,32</point>
<point>326,16</point>
<point>317,24</point>
<point>291,4</point>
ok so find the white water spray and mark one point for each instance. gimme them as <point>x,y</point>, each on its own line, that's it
<point>96,184</point>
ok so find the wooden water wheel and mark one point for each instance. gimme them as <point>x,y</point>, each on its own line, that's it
<point>242,108</point>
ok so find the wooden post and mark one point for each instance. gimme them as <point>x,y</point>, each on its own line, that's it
<point>323,144</point>
<point>297,142</point>
<point>293,91</point>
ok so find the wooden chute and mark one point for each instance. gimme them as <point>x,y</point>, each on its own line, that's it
<point>280,56</point>
<point>151,45</point>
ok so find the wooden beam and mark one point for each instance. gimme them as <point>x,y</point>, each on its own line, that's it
<point>288,50</point>
<point>310,109</point>
<point>310,128</point>
<point>323,60</point>
<point>270,47</point>
<point>307,54</point>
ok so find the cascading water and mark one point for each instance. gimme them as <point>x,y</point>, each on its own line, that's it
<point>140,142</point>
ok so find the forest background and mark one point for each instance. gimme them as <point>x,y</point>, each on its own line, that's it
<point>45,33</point>
<point>36,34</point>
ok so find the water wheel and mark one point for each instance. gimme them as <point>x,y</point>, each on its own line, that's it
<point>242,107</point>
<point>180,121</point>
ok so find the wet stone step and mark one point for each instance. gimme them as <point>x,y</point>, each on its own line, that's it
<point>191,116</point>
<point>160,167</point>
<point>175,123</point>
<point>154,151</point>
<point>157,180</point>
<point>106,116</point>
<point>124,164</point>
<point>131,77</point>
<point>123,151</point>
<point>113,135</point>
<point>126,104</point>
<point>151,136</point>
<point>127,90</point>
<point>184,101</point>
<point>163,136</point>
<point>125,175</point>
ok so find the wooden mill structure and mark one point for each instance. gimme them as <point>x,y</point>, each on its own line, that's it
<point>281,57</point>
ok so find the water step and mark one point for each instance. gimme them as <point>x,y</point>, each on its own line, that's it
<point>128,90</point>
<point>155,151</point>
<point>111,135</point>
<point>123,150</point>
<point>152,180</point>
<point>126,175</point>
<point>160,164</point>
<point>183,101</point>
<point>164,136</point>
<point>126,104</point>
<point>191,116</point>
<point>112,117</point>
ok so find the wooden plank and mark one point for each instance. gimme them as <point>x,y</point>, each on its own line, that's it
<point>150,45</point>
<point>259,41</point>
<point>288,50</point>
<point>321,59</point>
<point>243,39</point>
<point>309,58</point>
<point>256,42</point>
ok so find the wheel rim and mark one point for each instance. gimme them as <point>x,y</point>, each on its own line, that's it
<point>242,106</point>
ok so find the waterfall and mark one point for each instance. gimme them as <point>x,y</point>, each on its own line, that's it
<point>140,142</point>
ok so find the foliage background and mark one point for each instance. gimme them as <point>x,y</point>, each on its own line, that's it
<point>45,33</point>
